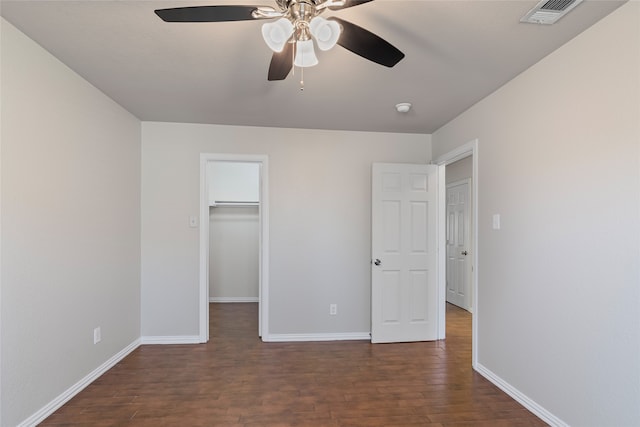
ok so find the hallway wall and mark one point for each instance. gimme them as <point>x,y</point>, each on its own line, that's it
<point>559,160</point>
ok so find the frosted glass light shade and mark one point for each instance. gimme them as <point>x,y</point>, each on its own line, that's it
<point>325,32</point>
<point>277,33</point>
<point>305,55</point>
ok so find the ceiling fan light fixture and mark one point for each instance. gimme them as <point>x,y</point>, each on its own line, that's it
<point>326,32</point>
<point>305,54</point>
<point>295,28</point>
<point>276,34</point>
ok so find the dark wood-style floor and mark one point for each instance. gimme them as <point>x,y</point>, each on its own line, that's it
<point>237,380</point>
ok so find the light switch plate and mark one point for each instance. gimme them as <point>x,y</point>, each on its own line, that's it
<point>496,221</point>
<point>193,221</point>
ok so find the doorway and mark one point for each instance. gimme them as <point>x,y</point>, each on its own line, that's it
<point>467,151</point>
<point>459,232</point>
<point>233,211</point>
<point>234,204</point>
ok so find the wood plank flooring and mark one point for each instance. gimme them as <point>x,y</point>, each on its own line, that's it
<point>237,380</point>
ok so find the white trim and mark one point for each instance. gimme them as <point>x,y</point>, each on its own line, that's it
<point>465,150</point>
<point>203,291</point>
<point>263,285</point>
<point>459,182</point>
<point>341,336</point>
<point>68,394</point>
<point>233,299</point>
<point>263,257</point>
<point>442,253</point>
<point>520,397</point>
<point>1,352</point>
<point>458,153</point>
<point>174,339</point>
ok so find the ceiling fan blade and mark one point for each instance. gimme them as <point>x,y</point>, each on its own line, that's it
<point>366,44</point>
<point>207,13</point>
<point>281,63</point>
<point>349,3</point>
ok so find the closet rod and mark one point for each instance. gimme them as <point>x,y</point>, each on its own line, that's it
<point>239,204</point>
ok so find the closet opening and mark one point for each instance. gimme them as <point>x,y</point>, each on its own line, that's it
<point>233,238</point>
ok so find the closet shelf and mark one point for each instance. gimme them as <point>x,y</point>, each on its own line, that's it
<point>221,203</point>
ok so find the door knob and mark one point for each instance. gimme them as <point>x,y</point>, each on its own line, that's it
<point>377,262</point>
<point>464,253</point>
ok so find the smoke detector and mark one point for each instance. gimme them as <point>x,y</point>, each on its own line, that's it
<point>548,12</point>
<point>403,107</point>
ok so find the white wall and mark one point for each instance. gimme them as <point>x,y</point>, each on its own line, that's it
<point>459,170</point>
<point>233,182</point>
<point>70,227</point>
<point>233,253</point>
<point>559,294</point>
<point>320,194</point>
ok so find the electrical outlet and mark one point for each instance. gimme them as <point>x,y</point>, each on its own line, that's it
<point>97,335</point>
<point>333,309</point>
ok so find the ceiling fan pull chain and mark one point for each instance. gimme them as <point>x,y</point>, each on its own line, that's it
<point>293,56</point>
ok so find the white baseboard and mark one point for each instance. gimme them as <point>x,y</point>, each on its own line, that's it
<point>177,339</point>
<point>233,299</point>
<point>521,398</point>
<point>56,403</point>
<point>343,336</point>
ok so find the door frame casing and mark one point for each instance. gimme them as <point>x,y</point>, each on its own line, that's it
<point>465,150</point>
<point>263,251</point>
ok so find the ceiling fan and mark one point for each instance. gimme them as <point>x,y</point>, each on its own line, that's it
<point>292,35</point>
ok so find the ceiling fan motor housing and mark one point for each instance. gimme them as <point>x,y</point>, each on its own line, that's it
<point>302,11</point>
<point>285,4</point>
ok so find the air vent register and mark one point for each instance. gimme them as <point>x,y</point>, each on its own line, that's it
<point>548,12</point>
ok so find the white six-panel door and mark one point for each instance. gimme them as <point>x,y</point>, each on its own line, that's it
<point>458,245</point>
<point>404,253</point>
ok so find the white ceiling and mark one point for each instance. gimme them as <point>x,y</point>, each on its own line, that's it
<point>457,52</point>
